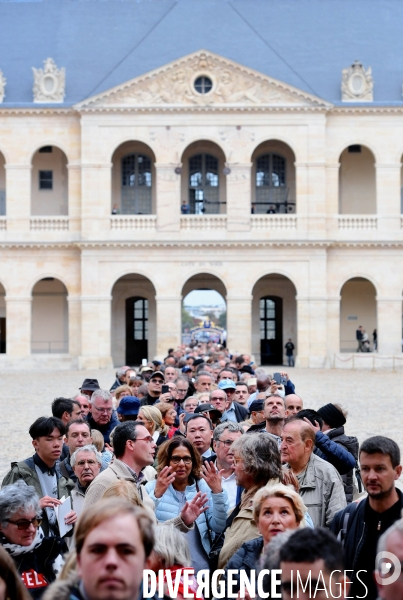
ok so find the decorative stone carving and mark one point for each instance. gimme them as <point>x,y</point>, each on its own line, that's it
<point>357,84</point>
<point>49,82</point>
<point>173,85</point>
<point>3,82</point>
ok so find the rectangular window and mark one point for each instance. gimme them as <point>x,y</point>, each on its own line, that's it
<point>46,180</point>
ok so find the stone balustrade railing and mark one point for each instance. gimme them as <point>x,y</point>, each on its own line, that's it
<point>358,222</point>
<point>133,222</point>
<point>203,222</point>
<point>49,223</point>
<point>261,222</point>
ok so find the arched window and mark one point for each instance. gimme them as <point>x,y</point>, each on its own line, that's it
<point>136,185</point>
<point>203,185</point>
<point>271,191</point>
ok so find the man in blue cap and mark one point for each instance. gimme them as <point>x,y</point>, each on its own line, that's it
<point>128,408</point>
<point>234,411</point>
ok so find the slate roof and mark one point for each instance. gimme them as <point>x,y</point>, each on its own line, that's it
<point>103,43</point>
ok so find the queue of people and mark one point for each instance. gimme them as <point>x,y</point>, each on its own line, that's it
<point>201,462</point>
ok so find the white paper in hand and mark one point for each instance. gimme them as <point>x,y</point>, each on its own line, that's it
<point>61,511</point>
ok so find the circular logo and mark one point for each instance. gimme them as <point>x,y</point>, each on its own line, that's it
<point>387,568</point>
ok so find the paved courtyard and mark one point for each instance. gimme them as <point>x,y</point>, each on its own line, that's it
<point>373,400</point>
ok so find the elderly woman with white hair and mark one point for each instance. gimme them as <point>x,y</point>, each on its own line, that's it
<point>171,553</point>
<point>276,508</point>
<point>38,558</point>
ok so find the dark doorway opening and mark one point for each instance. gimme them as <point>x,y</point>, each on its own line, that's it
<point>2,335</point>
<point>136,330</point>
<point>271,330</point>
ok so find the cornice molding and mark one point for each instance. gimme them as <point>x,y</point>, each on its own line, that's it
<point>188,244</point>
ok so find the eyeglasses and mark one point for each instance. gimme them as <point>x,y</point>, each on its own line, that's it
<point>90,463</point>
<point>175,460</point>
<point>215,398</point>
<point>103,410</point>
<point>226,443</point>
<point>148,439</point>
<point>25,523</point>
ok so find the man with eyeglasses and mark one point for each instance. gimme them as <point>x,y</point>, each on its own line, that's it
<point>86,462</point>
<point>223,438</point>
<point>134,450</point>
<point>102,416</point>
<point>234,412</point>
<point>154,390</point>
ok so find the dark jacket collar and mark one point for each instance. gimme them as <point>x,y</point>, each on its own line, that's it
<point>42,466</point>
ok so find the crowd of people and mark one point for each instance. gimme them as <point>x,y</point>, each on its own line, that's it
<point>202,462</point>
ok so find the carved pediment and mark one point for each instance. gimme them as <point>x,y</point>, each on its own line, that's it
<point>202,79</point>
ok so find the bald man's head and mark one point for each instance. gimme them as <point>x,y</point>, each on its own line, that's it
<point>293,404</point>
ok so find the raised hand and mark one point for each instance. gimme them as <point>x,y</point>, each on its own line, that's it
<point>212,477</point>
<point>164,480</point>
<point>193,509</point>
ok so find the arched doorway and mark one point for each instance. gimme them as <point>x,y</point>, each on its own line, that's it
<point>274,318</point>
<point>204,310</point>
<point>50,319</point>
<point>133,320</point>
<point>133,179</point>
<point>273,178</point>
<point>358,308</point>
<point>49,182</point>
<point>357,181</point>
<point>3,330</point>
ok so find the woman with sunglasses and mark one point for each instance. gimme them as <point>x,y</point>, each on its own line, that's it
<point>180,476</point>
<point>37,558</point>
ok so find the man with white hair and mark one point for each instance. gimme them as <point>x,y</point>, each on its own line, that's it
<point>102,416</point>
<point>120,377</point>
<point>86,463</point>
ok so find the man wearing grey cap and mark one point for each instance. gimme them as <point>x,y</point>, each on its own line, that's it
<point>234,411</point>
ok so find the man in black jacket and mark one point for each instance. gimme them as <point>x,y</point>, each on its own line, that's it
<point>360,526</point>
<point>334,419</point>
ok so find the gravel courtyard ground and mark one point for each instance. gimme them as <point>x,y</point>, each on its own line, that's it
<point>373,400</point>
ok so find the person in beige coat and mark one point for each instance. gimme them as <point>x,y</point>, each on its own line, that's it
<point>320,485</point>
<point>257,462</point>
<point>134,449</point>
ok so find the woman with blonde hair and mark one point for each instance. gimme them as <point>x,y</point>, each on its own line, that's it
<point>169,417</point>
<point>276,508</point>
<point>153,422</point>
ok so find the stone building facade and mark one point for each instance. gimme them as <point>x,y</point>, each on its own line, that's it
<point>201,173</point>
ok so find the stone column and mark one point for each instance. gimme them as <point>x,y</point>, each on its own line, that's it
<point>303,332</point>
<point>332,197</point>
<point>239,323</point>
<point>239,196</point>
<point>74,310</point>
<point>302,196</point>
<point>388,196</point>
<point>169,312</point>
<point>96,205</point>
<point>333,328</point>
<point>389,324</point>
<point>18,198</point>
<point>18,314</point>
<point>168,194</point>
<point>74,199</point>
<point>95,332</point>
